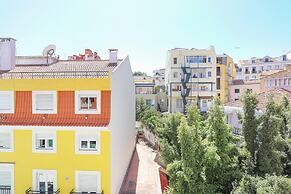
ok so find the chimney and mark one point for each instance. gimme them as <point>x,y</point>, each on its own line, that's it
<point>7,54</point>
<point>113,56</point>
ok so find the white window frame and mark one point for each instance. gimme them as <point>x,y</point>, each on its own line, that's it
<point>35,111</point>
<point>11,97</point>
<point>79,94</point>
<point>93,136</point>
<point>8,130</point>
<point>35,179</point>
<point>9,167</point>
<point>98,173</point>
<point>44,150</point>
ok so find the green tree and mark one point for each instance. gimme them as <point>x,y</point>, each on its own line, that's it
<point>222,166</point>
<point>140,107</point>
<point>151,119</point>
<point>268,157</point>
<point>250,123</point>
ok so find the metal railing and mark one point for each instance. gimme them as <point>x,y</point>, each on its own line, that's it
<point>82,192</point>
<point>5,189</point>
<point>54,75</point>
<point>30,191</point>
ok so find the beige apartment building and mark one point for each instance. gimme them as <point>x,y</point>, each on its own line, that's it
<point>190,77</point>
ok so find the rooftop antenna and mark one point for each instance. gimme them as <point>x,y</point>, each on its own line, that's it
<point>49,51</point>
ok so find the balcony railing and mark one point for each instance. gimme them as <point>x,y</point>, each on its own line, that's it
<point>5,189</point>
<point>82,192</point>
<point>54,75</point>
<point>30,191</point>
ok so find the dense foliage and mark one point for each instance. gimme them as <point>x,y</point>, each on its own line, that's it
<point>203,156</point>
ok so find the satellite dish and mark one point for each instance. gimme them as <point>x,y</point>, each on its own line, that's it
<point>49,50</point>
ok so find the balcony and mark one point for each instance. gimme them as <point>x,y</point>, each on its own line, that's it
<point>5,189</point>
<point>82,192</point>
<point>30,191</point>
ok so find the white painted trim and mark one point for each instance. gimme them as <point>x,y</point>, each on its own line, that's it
<point>9,167</point>
<point>11,94</point>
<point>34,135</point>
<point>8,130</point>
<point>92,134</point>
<point>55,128</point>
<point>88,93</point>
<point>98,173</point>
<point>35,171</point>
<point>34,111</point>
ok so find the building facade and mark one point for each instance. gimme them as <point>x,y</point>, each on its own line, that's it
<point>63,128</point>
<point>225,73</point>
<point>280,79</point>
<point>252,69</point>
<point>197,75</point>
<point>238,87</point>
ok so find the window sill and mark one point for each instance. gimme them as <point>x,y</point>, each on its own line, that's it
<point>6,149</point>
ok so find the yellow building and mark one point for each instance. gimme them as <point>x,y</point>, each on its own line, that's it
<point>225,73</point>
<point>63,128</point>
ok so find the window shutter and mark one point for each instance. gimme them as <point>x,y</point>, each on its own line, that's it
<point>5,102</point>
<point>5,178</point>
<point>88,182</point>
<point>44,102</point>
<point>5,140</point>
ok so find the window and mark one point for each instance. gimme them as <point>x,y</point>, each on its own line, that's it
<point>284,57</point>
<point>87,102</point>
<point>209,59</point>
<point>44,142</point>
<point>218,83</point>
<point>6,102</point>
<point>175,60</point>
<point>88,181</point>
<point>217,71</point>
<point>179,103</point>
<point>254,70</point>
<point>6,140</point>
<point>149,102</point>
<point>87,143</point>
<point>247,70</point>
<point>44,102</point>
<point>236,91</point>
<point>175,75</point>
<point>44,181</point>
<point>7,177</point>
<point>209,73</point>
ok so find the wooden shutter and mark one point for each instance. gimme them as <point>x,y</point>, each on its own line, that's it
<point>44,102</point>
<point>5,140</point>
<point>88,182</point>
<point>5,102</point>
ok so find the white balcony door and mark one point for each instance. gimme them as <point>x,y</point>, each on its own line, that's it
<point>7,176</point>
<point>45,181</point>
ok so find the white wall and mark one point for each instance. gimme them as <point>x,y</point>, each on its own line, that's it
<point>122,124</point>
<point>7,54</point>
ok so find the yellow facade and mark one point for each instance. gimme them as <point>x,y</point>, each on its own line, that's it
<point>227,73</point>
<point>65,161</point>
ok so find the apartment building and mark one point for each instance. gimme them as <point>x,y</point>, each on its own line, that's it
<point>280,79</point>
<point>159,78</point>
<point>190,77</point>
<point>252,68</point>
<point>65,127</point>
<point>151,92</point>
<point>225,73</point>
<point>238,87</point>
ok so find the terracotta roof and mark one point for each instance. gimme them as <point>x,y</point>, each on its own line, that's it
<point>65,115</point>
<point>98,68</point>
<point>262,97</point>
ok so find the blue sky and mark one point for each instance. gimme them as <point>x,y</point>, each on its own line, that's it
<point>145,30</point>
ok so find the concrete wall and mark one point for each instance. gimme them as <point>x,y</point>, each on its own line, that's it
<point>122,124</point>
<point>7,54</point>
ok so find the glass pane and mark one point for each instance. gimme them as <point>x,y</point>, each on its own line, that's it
<point>50,143</point>
<point>42,187</point>
<point>92,103</point>
<point>84,102</point>
<point>93,144</point>
<point>84,144</point>
<point>50,186</point>
<point>42,143</point>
